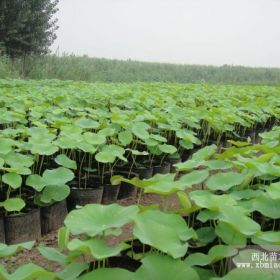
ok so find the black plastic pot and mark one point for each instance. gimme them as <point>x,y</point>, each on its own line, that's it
<point>124,262</point>
<point>82,197</point>
<point>144,172</point>
<point>172,162</point>
<point>187,154</point>
<point>2,230</point>
<point>110,193</point>
<point>162,169</point>
<point>127,190</point>
<point>23,227</point>
<point>52,216</point>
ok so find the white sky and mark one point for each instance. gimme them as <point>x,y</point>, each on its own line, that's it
<point>240,32</point>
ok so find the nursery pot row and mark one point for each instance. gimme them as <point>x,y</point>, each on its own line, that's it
<point>42,220</point>
<point>32,224</point>
<point>105,193</point>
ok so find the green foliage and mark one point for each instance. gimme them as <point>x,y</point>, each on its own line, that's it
<point>27,27</point>
<point>84,68</point>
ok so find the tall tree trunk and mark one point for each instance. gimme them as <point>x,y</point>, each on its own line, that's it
<point>23,70</point>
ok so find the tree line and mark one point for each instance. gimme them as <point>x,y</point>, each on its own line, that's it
<point>84,68</point>
<point>27,27</point>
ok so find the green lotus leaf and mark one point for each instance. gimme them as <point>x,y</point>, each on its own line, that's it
<point>229,235</point>
<point>206,199</point>
<point>167,149</point>
<point>96,248</point>
<point>106,132</point>
<point>13,204</point>
<point>94,139</point>
<point>138,153</point>
<point>108,274</point>
<point>125,137</point>
<point>165,232</point>
<point>140,129</point>
<point>36,182</point>
<point>29,271</point>
<point>94,219</point>
<point>204,274</point>
<point>186,144</point>
<point>218,164</point>
<point>18,160</point>
<point>86,147</point>
<point>273,190</point>
<point>115,150</point>
<point>58,176</point>
<point>198,259</point>
<point>66,142</point>
<point>205,235</point>
<point>164,268</point>
<point>72,271</point>
<point>247,274</point>
<point>52,254</point>
<point>158,138</point>
<point>86,123</point>
<point>46,149</point>
<point>194,177</point>
<point>184,200</point>
<point>14,180</point>
<point>151,143</point>
<point>163,184</point>
<point>236,217</point>
<point>224,181</point>
<point>189,164</point>
<point>220,252</point>
<point>205,153</point>
<point>10,250</point>
<point>216,253</point>
<point>53,193</point>
<point>43,133</point>
<point>65,161</point>
<point>21,170</point>
<point>207,215</point>
<point>63,237</point>
<point>105,157</point>
<point>267,206</point>
<point>267,237</point>
<point>239,143</point>
<point>6,146</point>
<point>2,162</point>
<point>245,194</point>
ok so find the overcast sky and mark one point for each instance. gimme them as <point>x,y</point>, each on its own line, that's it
<point>240,32</point>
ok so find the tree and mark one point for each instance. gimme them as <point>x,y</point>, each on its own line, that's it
<point>27,27</point>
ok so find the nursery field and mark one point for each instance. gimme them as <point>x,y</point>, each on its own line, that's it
<point>72,154</point>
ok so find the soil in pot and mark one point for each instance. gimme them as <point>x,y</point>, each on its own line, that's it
<point>23,227</point>
<point>82,197</point>
<point>110,193</point>
<point>52,216</point>
<point>163,168</point>
<point>127,190</point>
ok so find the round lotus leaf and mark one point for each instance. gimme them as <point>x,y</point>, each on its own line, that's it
<point>94,219</point>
